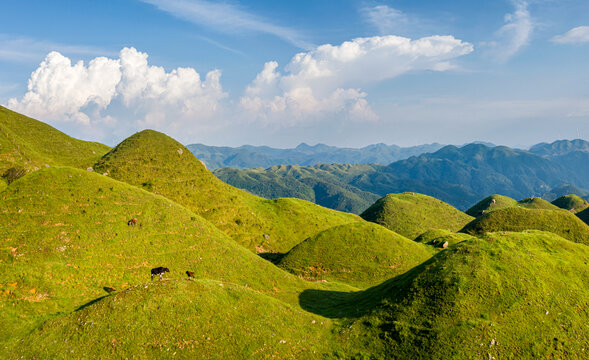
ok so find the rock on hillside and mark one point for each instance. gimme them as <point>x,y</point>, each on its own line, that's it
<point>411,214</point>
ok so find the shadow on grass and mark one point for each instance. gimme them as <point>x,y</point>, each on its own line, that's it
<point>354,304</point>
<point>90,303</point>
<point>274,258</point>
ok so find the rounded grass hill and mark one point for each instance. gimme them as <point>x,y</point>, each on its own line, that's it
<point>29,144</point>
<point>359,254</point>
<point>501,296</point>
<point>572,202</point>
<point>159,164</point>
<point>496,202</point>
<point>560,222</point>
<point>411,214</point>
<point>181,319</point>
<point>66,241</point>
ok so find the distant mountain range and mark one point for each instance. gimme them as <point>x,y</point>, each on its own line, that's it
<point>248,156</point>
<point>460,176</point>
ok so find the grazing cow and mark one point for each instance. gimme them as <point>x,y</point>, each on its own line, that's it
<point>159,271</point>
<point>132,222</point>
<point>493,201</point>
<point>190,274</point>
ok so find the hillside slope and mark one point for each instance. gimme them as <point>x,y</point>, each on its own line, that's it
<point>31,144</point>
<point>66,240</point>
<point>410,214</point>
<point>185,319</point>
<point>160,164</point>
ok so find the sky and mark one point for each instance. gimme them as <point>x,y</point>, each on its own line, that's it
<point>278,73</point>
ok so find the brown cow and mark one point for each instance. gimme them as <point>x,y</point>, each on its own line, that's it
<point>132,222</point>
<point>190,274</point>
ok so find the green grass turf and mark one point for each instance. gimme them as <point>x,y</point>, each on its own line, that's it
<point>359,254</point>
<point>182,319</point>
<point>411,214</point>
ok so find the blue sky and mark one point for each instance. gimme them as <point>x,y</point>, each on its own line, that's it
<point>345,73</point>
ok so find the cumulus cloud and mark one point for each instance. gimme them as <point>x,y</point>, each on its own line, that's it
<point>59,91</point>
<point>514,35</point>
<point>327,80</point>
<point>576,35</point>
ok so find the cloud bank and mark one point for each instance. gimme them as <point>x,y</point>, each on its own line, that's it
<point>89,95</point>
<point>576,35</point>
<point>328,79</point>
<point>112,97</point>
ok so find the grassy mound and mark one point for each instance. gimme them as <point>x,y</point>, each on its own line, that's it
<point>536,203</point>
<point>559,222</point>
<point>66,240</point>
<point>160,164</point>
<point>411,214</point>
<point>183,319</point>
<point>572,202</point>
<point>30,144</point>
<point>493,202</point>
<point>437,238</point>
<point>360,254</point>
<point>496,202</point>
<point>501,296</point>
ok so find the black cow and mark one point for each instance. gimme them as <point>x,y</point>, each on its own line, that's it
<point>159,271</point>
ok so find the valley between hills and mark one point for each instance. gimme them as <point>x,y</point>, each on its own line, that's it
<point>473,252</point>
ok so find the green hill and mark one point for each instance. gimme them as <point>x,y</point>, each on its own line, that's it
<point>160,164</point>
<point>572,202</point>
<point>359,254</point>
<point>182,319</point>
<point>490,203</point>
<point>559,222</point>
<point>411,214</point>
<point>66,239</point>
<point>30,144</point>
<point>496,202</point>
<point>503,296</point>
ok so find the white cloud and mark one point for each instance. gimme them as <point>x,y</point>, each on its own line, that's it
<point>576,35</point>
<point>514,35</point>
<point>327,80</point>
<point>386,19</point>
<point>151,97</point>
<point>226,17</point>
